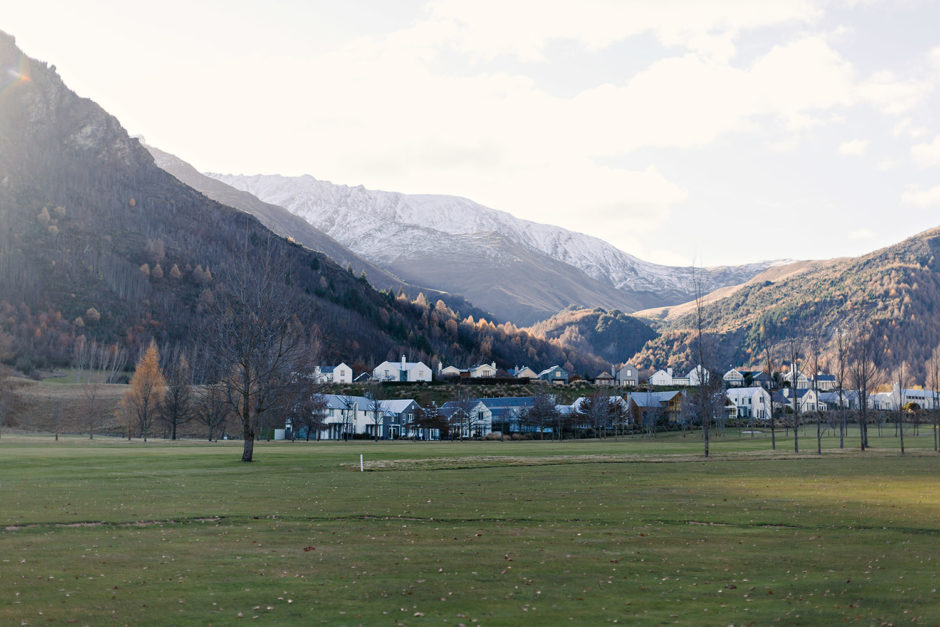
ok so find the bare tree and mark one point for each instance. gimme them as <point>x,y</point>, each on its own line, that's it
<point>376,410</point>
<point>842,364</point>
<point>594,411</point>
<point>814,349</point>
<point>307,412</point>
<point>770,384</point>
<point>933,383</point>
<point>703,350</point>
<point>178,402</point>
<point>212,408</point>
<point>794,354</point>
<point>900,380</point>
<point>864,374</point>
<point>96,365</point>
<point>542,413</point>
<point>255,329</point>
<point>464,418</point>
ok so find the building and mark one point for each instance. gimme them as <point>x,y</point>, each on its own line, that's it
<point>523,372</point>
<point>333,374</point>
<point>628,376</point>
<point>555,374</point>
<point>409,371</point>
<point>750,402</point>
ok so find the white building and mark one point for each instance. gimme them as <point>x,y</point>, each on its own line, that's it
<point>753,402</point>
<point>401,371</point>
<point>333,374</point>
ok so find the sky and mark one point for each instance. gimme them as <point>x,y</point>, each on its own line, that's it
<point>681,131</point>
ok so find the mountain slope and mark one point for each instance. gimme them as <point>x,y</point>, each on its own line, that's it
<point>611,335</point>
<point>396,231</point>
<point>895,289</point>
<point>99,242</point>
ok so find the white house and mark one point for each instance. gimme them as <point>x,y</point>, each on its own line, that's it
<point>807,399</point>
<point>401,371</point>
<point>697,376</point>
<point>524,372</point>
<point>734,378</point>
<point>483,371</point>
<point>449,371</point>
<point>661,377</point>
<point>753,402</point>
<point>333,374</point>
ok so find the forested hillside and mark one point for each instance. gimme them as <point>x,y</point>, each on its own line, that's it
<point>97,241</point>
<point>612,335</point>
<point>896,289</point>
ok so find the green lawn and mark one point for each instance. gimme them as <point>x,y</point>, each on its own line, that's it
<point>635,531</point>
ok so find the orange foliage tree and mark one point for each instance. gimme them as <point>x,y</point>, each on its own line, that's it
<point>141,404</point>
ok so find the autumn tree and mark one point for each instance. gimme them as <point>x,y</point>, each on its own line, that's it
<point>141,404</point>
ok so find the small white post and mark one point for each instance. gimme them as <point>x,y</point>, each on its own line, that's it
<point>362,467</point>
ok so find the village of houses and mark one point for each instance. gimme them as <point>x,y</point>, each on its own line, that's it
<point>659,399</point>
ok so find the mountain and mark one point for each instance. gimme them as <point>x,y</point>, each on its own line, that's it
<point>96,241</point>
<point>415,236</point>
<point>895,289</point>
<point>612,335</point>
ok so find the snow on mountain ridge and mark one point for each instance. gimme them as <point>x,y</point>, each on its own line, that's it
<point>382,226</point>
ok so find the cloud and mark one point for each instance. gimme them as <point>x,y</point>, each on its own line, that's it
<point>523,28</point>
<point>927,155</point>
<point>854,148</point>
<point>923,198</point>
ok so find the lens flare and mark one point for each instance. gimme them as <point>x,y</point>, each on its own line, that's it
<point>14,77</point>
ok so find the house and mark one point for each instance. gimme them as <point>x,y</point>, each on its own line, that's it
<point>364,377</point>
<point>523,372</point>
<point>483,371</point>
<point>825,382</point>
<point>806,398</point>
<point>651,407</point>
<point>504,413</point>
<point>734,378</point>
<point>555,374</point>
<point>697,376</point>
<point>661,377</point>
<point>398,415</point>
<point>401,371</point>
<point>762,379</point>
<point>469,419</point>
<point>333,374</point>
<point>604,378</point>
<point>450,372</point>
<point>628,376</point>
<point>750,402</point>
<point>923,399</point>
<point>832,400</point>
<point>802,381</point>
<point>345,416</point>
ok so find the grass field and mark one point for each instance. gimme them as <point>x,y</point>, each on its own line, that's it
<point>589,532</point>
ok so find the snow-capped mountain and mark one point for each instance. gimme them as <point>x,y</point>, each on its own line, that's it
<point>396,231</point>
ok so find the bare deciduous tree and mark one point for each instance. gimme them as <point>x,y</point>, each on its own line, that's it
<point>864,374</point>
<point>933,383</point>
<point>179,401</point>
<point>255,330</point>
<point>212,408</point>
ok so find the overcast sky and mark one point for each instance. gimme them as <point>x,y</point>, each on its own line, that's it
<point>713,132</point>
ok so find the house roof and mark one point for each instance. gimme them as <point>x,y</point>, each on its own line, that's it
<point>826,377</point>
<point>653,399</point>
<point>397,406</point>
<point>325,369</point>
<point>743,392</point>
<point>507,401</point>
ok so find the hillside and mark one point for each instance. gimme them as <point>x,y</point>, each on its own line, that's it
<point>98,241</point>
<point>426,239</point>
<point>613,335</point>
<point>897,289</point>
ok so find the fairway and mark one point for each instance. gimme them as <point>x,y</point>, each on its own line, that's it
<point>494,533</point>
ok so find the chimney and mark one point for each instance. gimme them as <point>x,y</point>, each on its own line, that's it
<point>669,371</point>
<point>403,362</point>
